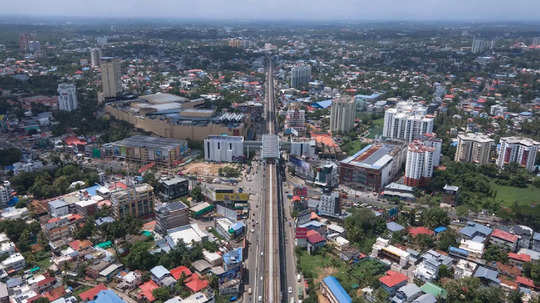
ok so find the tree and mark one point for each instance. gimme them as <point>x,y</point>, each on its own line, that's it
<point>434,217</point>
<point>363,226</point>
<point>42,300</point>
<point>162,294</point>
<point>446,239</point>
<point>9,156</point>
<point>139,257</point>
<point>496,253</point>
<point>196,193</point>
<point>445,272</point>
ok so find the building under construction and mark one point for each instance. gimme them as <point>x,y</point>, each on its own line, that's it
<point>146,150</point>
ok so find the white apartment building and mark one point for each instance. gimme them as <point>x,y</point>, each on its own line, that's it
<point>5,194</point>
<point>518,150</point>
<point>473,147</point>
<point>497,110</point>
<point>224,148</point>
<point>431,140</point>
<point>329,204</point>
<point>407,121</point>
<point>300,75</point>
<point>419,164</point>
<point>342,114</point>
<point>95,57</point>
<point>67,97</point>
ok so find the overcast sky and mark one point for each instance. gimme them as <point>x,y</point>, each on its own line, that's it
<point>284,9</point>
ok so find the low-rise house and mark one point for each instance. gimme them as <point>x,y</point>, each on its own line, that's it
<point>108,272</point>
<point>159,274</point>
<point>474,249</point>
<point>394,227</point>
<point>434,290</point>
<point>415,231</point>
<point>518,259</point>
<point>14,262</point>
<point>383,250</point>
<point>407,293</point>
<point>93,270</point>
<point>212,257</point>
<point>195,283</point>
<point>535,245</point>
<point>425,298</point>
<point>428,269</point>
<point>180,271</point>
<point>130,280</point>
<point>314,241</point>
<point>488,276</point>
<point>92,293</point>
<point>392,281</point>
<point>146,291</point>
<point>474,229</point>
<point>504,239</point>
<point>464,269</point>
<point>524,234</point>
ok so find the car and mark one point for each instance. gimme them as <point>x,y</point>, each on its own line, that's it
<point>252,230</point>
<point>260,299</point>
<point>262,253</point>
<point>289,290</point>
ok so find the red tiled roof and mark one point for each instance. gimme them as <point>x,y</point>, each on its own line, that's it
<point>525,281</point>
<point>519,257</point>
<point>393,278</point>
<point>146,290</point>
<point>415,231</point>
<point>506,236</point>
<point>55,293</point>
<point>46,281</point>
<point>92,292</point>
<point>72,140</point>
<point>79,245</point>
<point>314,237</point>
<point>196,284</point>
<point>177,272</point>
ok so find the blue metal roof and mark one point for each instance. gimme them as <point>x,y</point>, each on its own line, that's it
<point>323,104</point>
<point>159,271</point>
<point>337,290</point>
<point>440,229</point>
<point>107,296</point>
<point>458,250</point>
<point>393,226</point>
<point>234,256</point>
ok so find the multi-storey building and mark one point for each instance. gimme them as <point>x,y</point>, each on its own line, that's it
<point>300,75</point>
<point>95,57</point>
<point>146,149</point>
<point>67,97</point>
<point>173,188</point>
<point>518,150</point>
<point>342,114</point>
<point>407,121</point>
<point>479,45</point>
<point>5,194</point>
<point>374,166</point>
<point>431,140</point>
<point>171,215</point>
<point>474,148</point>
<point>110,77</point>
<point>303,148</point>
<point>419,164</point>
<point>295,120</point>
<point>224,148</point>
<point>136,201</point>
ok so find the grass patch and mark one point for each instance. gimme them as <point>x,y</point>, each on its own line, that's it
<point>376,128</point>
<point>509,194</point>
<point>353,146</point>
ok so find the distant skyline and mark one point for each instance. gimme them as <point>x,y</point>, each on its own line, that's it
<point>444,10</point>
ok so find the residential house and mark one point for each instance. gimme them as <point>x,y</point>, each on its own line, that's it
<point>474,229</point>
<point>428,269</point>
<point>407,293</point>
<point>314,241</point>
<point>392,281</point>
<point>504,239</point>
<point>486,275</point>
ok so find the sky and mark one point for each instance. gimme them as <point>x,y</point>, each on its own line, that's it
<point>496,10</point>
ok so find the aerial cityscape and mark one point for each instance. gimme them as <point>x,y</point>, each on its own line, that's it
<point>244,156</point>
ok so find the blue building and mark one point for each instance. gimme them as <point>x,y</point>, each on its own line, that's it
<point>107,296</point>
<point>333,291</point>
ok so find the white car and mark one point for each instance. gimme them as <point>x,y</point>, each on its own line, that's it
<point>262,253</point>
<point>289,290</point>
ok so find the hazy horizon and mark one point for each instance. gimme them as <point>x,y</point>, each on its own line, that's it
<point>302,10</point>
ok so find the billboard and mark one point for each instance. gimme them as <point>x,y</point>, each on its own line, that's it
<point>232,196</point>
